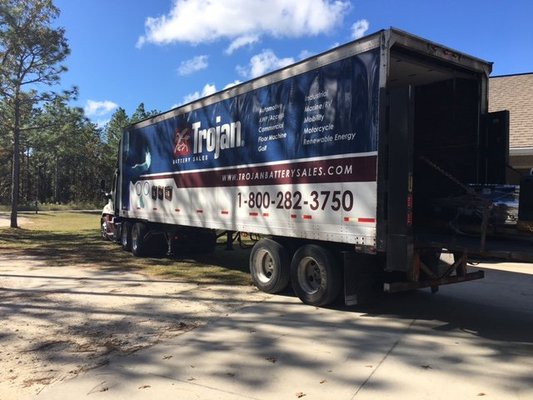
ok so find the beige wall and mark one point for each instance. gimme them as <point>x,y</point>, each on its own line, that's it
<point>515,93</point>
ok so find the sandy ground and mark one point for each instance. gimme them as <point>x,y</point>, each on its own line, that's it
<point>468,341</point>
<point>81,322</point>
<point>58,322</point>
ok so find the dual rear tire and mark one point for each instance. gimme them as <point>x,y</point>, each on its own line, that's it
<point>141,240</point>
<point>316,275</point>
<point>314,272</point>
<point>147,243</point>
<point>269,266</point>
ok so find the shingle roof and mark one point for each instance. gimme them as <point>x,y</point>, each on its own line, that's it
<point>514,93</point>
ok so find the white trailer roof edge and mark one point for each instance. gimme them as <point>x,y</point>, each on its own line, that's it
<point>438,51</point>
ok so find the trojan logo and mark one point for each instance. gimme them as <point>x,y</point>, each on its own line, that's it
<point>217,138</point>
<point>182,141</point>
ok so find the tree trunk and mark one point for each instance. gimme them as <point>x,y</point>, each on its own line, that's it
<point>15,176</point>
<point>56,190</point>
<point>29,184</point>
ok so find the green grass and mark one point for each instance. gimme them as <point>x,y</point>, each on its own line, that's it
<point>73,238</point>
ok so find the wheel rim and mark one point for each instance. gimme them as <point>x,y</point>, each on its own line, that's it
<point>102,229</point>
<point>124,236</point>
<point>310,275</point>
<point>134,239</point>
<point>265,266</point>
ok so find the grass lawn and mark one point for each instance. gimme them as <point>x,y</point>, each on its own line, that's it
<point>73,238</point>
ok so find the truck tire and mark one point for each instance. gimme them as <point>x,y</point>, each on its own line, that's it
<point>269,266</point>
<point>125,236</point>
<point>315,275</point>
<point>138,239</point>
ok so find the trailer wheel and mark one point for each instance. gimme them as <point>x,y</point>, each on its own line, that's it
<point>138,242</point>
<point>269,266</point>
<point>125,236</point>
<point>315,275</point>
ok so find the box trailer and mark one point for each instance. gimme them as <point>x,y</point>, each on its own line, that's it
<point>356,168</point>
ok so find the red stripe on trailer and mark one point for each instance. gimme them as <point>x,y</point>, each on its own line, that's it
<point>254,214</point>
<point>224,212</point>
<point>360,220</point>
<point>154,209</point>
<point>266,215</point>
<point>177,210</point>
<point>293,216</point>
<point>200,211</point>
<point>307,217</point>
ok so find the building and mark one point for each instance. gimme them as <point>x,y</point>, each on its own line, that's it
<point>515,93</point>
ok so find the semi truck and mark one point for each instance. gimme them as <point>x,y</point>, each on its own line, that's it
<point>355,169</point>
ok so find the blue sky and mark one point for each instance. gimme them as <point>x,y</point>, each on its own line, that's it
<point>167,52</point>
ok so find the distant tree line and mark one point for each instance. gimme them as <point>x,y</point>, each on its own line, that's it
<point>64,155</point>
<point>49,151</point>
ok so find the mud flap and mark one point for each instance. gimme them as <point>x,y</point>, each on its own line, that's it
<point>363,281</point>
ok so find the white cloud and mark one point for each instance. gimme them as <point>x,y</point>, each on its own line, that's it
<point>262,63</point>
<point>305,54</point>
<point>140,42</point>
<point>190,97</point>
<point>242,21</point>
<point>231,84</point>
<point>359,28</point>
<point>99,108</point>
<point>241,41</point>
<point>194,64</point>
<point>206,91</point>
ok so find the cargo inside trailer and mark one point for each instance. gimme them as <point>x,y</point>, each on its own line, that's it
<point>444,132</point>
<point>459,197</point>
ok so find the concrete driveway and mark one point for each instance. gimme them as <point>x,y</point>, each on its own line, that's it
<point>469,341</point>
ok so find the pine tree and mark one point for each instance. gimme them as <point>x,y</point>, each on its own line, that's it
<point>31,56</point>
